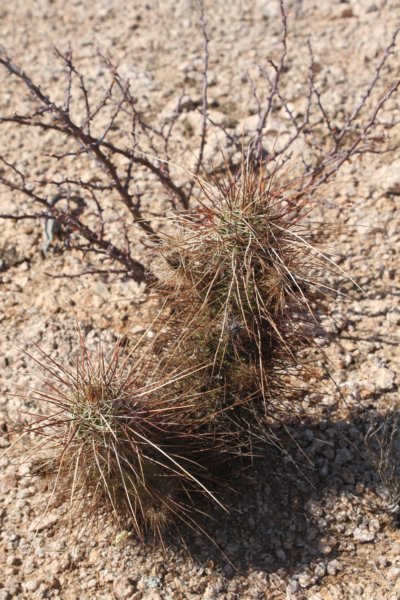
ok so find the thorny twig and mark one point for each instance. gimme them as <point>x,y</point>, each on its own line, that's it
<point>264,109</point>
<point>204,109</point>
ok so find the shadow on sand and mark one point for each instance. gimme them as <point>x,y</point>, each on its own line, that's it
<point>284,516</point>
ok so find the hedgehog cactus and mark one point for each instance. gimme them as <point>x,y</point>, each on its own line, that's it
<point>240,269</point>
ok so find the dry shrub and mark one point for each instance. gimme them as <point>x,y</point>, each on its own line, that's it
<point>122,145</point>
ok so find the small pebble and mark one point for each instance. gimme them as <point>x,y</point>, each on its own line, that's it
<point>320,570</point>
<point>393,573</point>
<point>363,535</point>
<point>293,586</point>
<point>333,567</point>
<point>382,561</point>
<point>31,585</point>
<point>305,580</point>
<point>123,588</point>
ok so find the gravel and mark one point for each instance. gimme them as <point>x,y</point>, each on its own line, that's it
<point>321,531</point>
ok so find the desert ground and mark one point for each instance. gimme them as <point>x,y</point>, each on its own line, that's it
<point>324,529</point>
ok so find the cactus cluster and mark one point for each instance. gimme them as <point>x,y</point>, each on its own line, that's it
<point>143,432</point>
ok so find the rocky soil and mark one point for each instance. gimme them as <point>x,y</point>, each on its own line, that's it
<point>324,530</point>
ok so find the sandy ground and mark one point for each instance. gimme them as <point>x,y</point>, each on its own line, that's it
<point>325,532</point>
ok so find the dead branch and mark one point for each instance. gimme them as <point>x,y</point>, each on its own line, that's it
<point>91,136</point>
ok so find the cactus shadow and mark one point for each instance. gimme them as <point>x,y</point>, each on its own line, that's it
<point>283,517</point>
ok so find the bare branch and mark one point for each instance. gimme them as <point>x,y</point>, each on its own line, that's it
<point>371,86</point>
<point>204,108</point>
<point>278,69</point>
<point>121,165</point>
